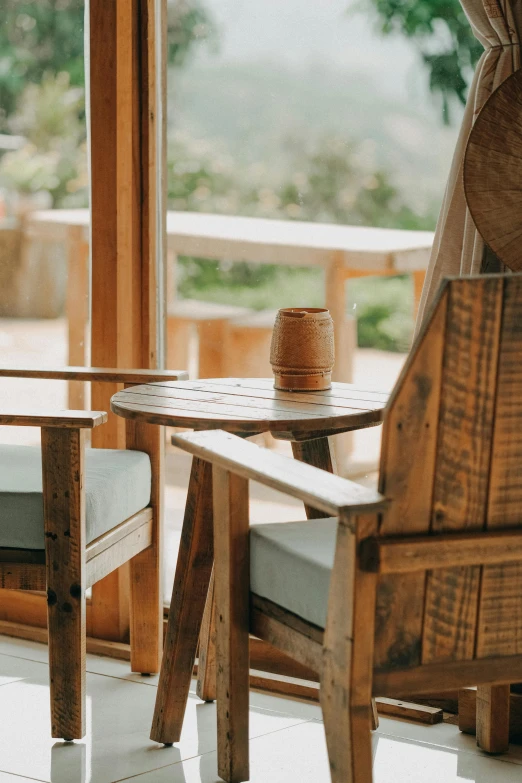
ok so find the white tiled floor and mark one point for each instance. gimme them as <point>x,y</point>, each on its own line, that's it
<point>287,738</point>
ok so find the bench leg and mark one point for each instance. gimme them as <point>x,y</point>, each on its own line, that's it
<point>190,590</point>
<point>493,718</point>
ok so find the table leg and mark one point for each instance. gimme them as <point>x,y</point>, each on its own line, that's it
<point>320,454</point>
<point>190,590</point>
<point>206,683</point>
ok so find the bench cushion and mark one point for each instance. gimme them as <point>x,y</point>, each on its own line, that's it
<point>291,564</point>
<point>117,485</point>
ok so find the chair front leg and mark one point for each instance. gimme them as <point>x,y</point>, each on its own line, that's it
<point>232,597</point>
<point>64,520</point>
<point>346,679</point>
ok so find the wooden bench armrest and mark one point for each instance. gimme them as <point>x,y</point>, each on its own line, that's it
<point>317,488</point>
<point>25,417</point>
<point>109,375</point>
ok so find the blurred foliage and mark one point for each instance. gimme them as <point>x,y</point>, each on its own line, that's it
<point>326,180</point>
<point>46,36</point>
<point>54,157</point>
<point>38,36</point>
<point>384,310</point>
<point>445,40</point>
<point>188,23</point>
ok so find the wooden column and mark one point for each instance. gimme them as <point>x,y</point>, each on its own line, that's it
<point>127,232</point>
<point>345,336</point>
<point>77,308</point>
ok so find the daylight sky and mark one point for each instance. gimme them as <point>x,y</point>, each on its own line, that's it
<point>304,32</point>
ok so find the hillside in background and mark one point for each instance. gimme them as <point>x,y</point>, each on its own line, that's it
<point>289,74</point>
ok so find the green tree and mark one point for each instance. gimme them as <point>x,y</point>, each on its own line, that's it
<point>46,36</point>
<point>38,36</point>
<point>444,38</point>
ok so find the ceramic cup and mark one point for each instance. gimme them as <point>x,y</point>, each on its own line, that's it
<point>302,350</point>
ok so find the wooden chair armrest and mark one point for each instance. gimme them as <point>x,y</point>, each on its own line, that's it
<point>61,419</point>
<point>109,375</point>
<point>317,488</point>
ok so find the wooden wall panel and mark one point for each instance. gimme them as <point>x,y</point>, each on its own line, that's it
<point>463,457</point>
<point>500,613</point>
<point>408,453</point>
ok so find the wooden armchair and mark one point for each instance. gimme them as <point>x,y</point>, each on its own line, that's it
<point>410,591</point>
<point>69,516</point>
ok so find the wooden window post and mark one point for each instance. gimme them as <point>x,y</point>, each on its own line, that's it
<point>126,76</point>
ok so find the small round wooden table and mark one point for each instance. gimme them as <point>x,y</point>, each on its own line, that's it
<point>245,407</point>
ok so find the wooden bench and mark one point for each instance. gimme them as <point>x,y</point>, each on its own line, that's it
<point>205,323</point>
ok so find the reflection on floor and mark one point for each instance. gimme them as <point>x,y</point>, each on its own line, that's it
<point>287,737</point>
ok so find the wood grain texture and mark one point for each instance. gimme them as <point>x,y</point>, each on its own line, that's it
<point>363,707</point>
<point>100,565</point>
<point>99,374</point>
<point>500,610</point>
<point>465,433</point>
<point>493,718</point>
<point>446,675</point>
<point>320,454</point>
<point>250,406</point>
<point>492,178</point>
<point>77,310</point>
<point>116,534</point>
<point>347,722</point>
<point>125,231</point>
<point>64,524</point>
<point>146,596</point>
<point>409,445</point>
<point>191,581</point>
<point>422,553</point>
<point>206,682</point>
<point>287,632</point>
<point>57,419</point>
<point>419,713</point>
<point>324,491</point>
<point>467,711</point>
<point>22,576</point>
<point>232,583</point>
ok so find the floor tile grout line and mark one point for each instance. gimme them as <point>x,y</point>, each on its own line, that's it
<point>141,682</point>
<point>23,777</point>
<point>449,749</point>
<point>209,752</point>
<point>11,682</point>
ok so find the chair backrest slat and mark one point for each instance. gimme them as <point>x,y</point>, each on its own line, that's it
<point>499,629</point>
<point>460,489</point>
<point>452,443</point>
<point>408,460</point>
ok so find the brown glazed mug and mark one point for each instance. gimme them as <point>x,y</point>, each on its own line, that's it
<point>302,350</point>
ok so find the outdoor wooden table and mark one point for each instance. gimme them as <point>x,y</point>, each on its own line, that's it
<point>245,407</point>
<point>343,252</point>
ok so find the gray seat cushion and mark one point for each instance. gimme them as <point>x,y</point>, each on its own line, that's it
<point>291,564</point>
<point>117,485</point>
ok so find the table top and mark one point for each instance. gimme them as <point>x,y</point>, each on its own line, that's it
<point>250,406</point>
<point>289,242</point>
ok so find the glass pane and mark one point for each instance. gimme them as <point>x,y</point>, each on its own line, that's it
<point>44,250</point>
<point>300,112</point>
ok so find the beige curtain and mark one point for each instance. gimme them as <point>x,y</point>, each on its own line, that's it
<point>458,247</point>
